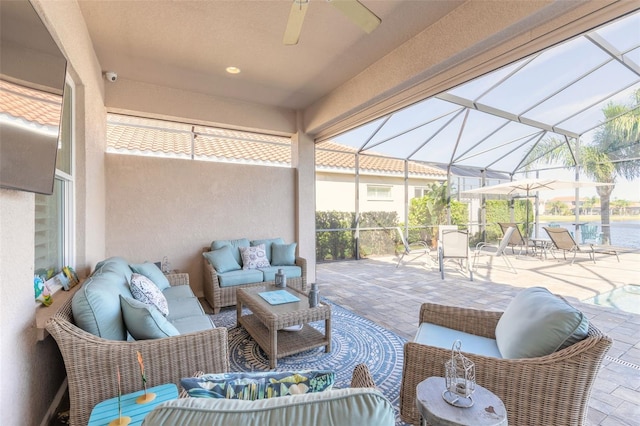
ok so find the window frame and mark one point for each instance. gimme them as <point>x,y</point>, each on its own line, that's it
<point>377,196</point>
<point>66,223</point>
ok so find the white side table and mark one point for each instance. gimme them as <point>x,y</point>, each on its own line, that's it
<point>487,409</point>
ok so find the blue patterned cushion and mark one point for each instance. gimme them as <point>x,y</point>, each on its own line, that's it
<point>260,385</point>
<point>254,257</point>
<point>283,254</point>
<point>144,290</point>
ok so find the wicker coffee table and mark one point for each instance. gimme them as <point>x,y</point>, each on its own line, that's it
<point>265,323</point>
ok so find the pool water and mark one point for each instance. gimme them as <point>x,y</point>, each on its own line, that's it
<point>625,298</point>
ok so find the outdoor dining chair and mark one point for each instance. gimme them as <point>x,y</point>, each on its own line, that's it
<point>454,244</point>
<point>495,251</point>
<point>417,248</point>
<point>562,240</point>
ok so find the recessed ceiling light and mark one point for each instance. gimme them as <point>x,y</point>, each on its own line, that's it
<point>233,70</point>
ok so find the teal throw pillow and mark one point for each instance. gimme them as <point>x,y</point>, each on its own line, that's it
<point>537,323</point>
<point>151,271</point>
<point>258,385</point>
<point>283,254</point>
<point>144,321</point>
<point>233,244</point>
<point>267,245</point>
<point>222,259</point>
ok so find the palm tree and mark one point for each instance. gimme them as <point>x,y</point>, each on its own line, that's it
<point>614,152</point>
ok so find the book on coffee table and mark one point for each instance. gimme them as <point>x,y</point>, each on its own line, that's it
<point>278,297</point>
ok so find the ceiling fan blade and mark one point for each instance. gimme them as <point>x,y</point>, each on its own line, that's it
<point>294,24</point>
<point>358,13</point>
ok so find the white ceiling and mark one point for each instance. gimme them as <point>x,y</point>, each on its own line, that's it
<point>188,44</point>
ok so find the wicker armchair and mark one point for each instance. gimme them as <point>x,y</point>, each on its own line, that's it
<point>92,362</point>
<point>219,297</point>
<point>552,389</point>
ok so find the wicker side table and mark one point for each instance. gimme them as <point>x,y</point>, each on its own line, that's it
<point>266,322</point>
<point>487,410</point>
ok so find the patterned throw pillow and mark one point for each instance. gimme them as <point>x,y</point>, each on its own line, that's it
<point>254,257</point>
<point>144,290</point>
<point>258,385</point>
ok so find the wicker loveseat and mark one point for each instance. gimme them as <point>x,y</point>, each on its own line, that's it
<point>92,363</point>
<point>220,293</point>
<point>546,390</point>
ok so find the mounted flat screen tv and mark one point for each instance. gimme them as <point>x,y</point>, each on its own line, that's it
<point>32,77</point>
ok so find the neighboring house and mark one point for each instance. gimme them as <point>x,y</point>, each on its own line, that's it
<point>381,180</point>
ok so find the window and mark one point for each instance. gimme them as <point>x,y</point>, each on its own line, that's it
<point>420,191</point>
<point>54,231</point>
<point>379,192</point>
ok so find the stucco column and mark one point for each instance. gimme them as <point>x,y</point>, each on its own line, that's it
<point>303,159</point>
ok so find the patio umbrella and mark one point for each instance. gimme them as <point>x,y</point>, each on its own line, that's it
<point>524,187</point>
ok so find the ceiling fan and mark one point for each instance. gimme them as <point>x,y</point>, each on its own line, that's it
<point>352,9</point>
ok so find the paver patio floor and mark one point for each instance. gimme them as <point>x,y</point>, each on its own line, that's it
<point>391,297</point>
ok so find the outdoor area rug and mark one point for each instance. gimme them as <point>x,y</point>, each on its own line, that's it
<point>354,340</point>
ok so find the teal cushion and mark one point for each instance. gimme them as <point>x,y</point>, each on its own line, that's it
<point>114,264</point>
<point>96,305</point>
<point>151,271</point>
<point>241,276</point>
<point>443,337</point>
<point>222,259</point>
<point>283,254</point>
<point>267,245</point>
<point>234,245</point>
<point>289,272</point>
<point>144,321</point>
<point>258,385</point>
<point>537,323</point>
<point>193,324</point>
<point>352,406</point>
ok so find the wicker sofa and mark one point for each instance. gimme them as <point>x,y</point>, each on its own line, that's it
<point>93,358</point>
<point>220,284</point>
<point>538,390</point>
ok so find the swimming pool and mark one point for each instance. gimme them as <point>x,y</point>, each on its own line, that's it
<point>625,298</point>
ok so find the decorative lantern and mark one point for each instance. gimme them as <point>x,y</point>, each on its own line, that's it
<point>460,378</point>
<point>281,279</point>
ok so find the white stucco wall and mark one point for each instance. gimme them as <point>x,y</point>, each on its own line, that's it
<point>169,207</point>
<point>31,371</point>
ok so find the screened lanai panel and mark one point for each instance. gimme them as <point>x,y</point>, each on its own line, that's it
<point>550,71</point>
<point>623,34</point>
<point>593,89</point>
<point>494,121</point>
<point>593,116</point>
<point>414,117</point>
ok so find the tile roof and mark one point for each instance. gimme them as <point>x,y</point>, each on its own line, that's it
<point>155,137</point>
<point>31,105</point>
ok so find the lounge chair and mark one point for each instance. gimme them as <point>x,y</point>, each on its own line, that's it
<point>552,389</point>
<point>517,239</point>
<point>418,248</point>
<point>562,240</point>
<point>454,244</point>
<point>497,251</point>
